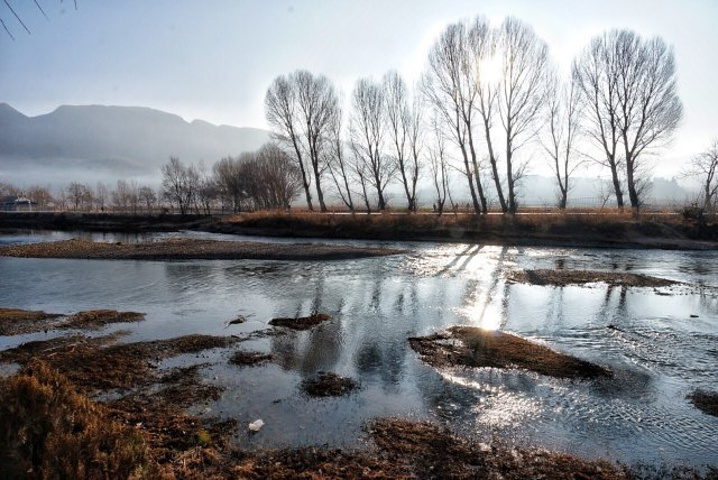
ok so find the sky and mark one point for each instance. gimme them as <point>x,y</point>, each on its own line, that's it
<point>213,60</point>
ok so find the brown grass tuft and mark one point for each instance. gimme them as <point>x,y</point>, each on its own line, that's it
<point>560,277</point>
<point>301,323</point>
<point>328,384</point>
<point>49,431</point>
<point>14,321</point>
<point>475,347</point>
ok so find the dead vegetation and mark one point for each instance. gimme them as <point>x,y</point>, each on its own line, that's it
<point>250,359</point>
<point>14,321</point>
<point>560,277</point>
<point>96,319</point>
<point>102,364</point>
<point>328,384</point>
<point>301,323</point>
<point>187,248</point>
<point>21,322</point>
<point>49,430</point>
<point>475,347</point>
<point>705,401</point>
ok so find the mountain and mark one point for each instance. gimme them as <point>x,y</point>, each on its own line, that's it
<point>95,142</point>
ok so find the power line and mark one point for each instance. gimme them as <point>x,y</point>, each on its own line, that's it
<point>18,17</point>
<point>8,31</point>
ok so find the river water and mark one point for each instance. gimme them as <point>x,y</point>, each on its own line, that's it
<point>662,346</point>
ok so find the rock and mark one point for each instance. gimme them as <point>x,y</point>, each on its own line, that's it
<point>256,425</point>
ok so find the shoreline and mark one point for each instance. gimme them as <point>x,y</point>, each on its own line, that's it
<point>569,230</point>
<point>191,249</point>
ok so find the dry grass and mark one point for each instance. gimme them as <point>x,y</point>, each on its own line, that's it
<point>14,321</point>
<point>101,364</point>
<point>49,431</point>
<point>21,322</point>
<point>560,277</point>
<point>251,359</point>
<point>301,323</point>
<point>328,384</point>
<point>475,347</point>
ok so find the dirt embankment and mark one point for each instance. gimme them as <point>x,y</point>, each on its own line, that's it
<point>590,228</point>
<point>475,347</point>
<point>186,249</point>
<point>561,277</point>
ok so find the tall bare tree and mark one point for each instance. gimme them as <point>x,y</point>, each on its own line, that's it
<point>439,165</point>
<point>367,133</point>
<point>301,108</point>
<point>633,106</point>
<point>487,74</point>
<point>450,87</point>
<point>525,69</point>
<point>562,132</point>
<point>337,161</point>
<point>177,185</point>
<point>230,182</point>
<point>282,112</point>
<point>318,103</point>
<point>403,123</point>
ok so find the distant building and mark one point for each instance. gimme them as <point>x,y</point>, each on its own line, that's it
<point>15,203</point>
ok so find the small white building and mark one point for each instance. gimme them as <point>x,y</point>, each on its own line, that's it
<point>16,203</point>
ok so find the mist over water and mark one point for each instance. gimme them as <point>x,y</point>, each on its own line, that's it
<point>661,347</point>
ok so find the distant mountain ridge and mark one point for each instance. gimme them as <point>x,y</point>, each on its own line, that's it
<point>111,142</point>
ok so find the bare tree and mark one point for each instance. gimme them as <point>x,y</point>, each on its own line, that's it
<point>337,161</point>
<point>525,69</point>
<point>630,86</point>
<point>282,112</point>
<point>403,124</point>
<point>40,195</point>
<point>318,103</point>
<point>450,87</point>
<point>80,195</point>
<point>367,131</point>
<point>102,196</point>
<point>231,185</point>
<point>438,163</point>
<point>177,184</point>
<point>487,74</point>
<point>705,167</point>
<point>280,176</point>
<point>561,134</point>
<point>147,196</point>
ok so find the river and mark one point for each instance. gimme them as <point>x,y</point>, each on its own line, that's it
<point>662,344</point>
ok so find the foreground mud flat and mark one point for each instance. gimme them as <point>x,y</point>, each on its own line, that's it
<point>95,407</point>
<point>191,249</point>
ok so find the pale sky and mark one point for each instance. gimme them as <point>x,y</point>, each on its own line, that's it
<point>213,60</point>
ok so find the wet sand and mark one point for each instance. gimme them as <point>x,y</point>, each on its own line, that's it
<point>191,249</point>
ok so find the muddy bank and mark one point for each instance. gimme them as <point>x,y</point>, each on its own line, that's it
<point>592,228</point>
<point>301,323</point>
<point>14,321</point>
<point>705,401</point>
<point>190,249</point>
<point>560,277</point>
<point>589,228</point>
<point>475,347</point>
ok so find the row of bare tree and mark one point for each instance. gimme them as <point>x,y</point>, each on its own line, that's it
<point>265,179</point>
<point>488,95</point>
